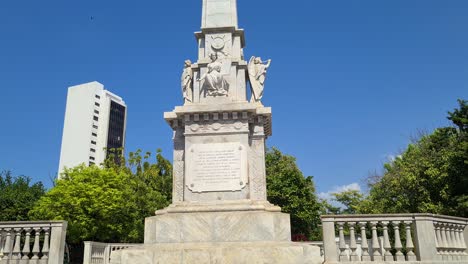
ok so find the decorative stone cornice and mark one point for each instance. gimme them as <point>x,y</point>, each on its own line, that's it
<point>216,116</point>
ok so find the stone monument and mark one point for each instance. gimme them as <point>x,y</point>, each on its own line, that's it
<point>219,212</point>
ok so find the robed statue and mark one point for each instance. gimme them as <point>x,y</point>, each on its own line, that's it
<point>215,84</point>
<point>257,74</point>
<point>186,81</point>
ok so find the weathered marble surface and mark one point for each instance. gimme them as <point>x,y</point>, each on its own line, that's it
<point>257,75</point>
<point>220,213</point>
<point>207,127</point>
<point>234,226</point>
<point>220,253</point>
<point>219,13</point>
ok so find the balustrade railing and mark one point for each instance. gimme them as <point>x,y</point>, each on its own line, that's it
<point>100,253</point>
<point>40,242</point>
<point>396,238</point>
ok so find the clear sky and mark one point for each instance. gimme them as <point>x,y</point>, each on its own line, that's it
<point>350,81</point>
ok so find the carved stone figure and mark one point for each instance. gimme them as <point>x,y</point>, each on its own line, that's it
<point>186,81</point>
<point>257,74</point>
<point>215,84</point>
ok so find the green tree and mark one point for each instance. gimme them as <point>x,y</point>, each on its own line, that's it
<point>350,199</point>
<point>287,187</point>
<point>431,175</point>
<point>107,204</point>
<point>17,196</point>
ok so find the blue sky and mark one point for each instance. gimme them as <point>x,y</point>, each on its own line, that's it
<point>350,81</point>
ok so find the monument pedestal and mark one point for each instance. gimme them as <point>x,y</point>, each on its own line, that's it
<point>219,233</point>
<point>237,232</point>
<point>219,223</point>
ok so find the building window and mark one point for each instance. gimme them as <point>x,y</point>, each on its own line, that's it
<point>95,127</point>
<point>97,104</point>
<point>92,150</point>
<point>98,97</point>
<point>93,142</point>
<point>95,118</point>
<point>91,158</point>
<point>96,112</point>
<point>94,134</point>
<point>91,163</point>
<point>116,129</point>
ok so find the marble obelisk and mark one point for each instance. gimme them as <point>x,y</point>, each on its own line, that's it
<point>220,212</point>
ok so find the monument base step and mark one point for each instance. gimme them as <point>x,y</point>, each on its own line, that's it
<point>233,226</point>
<point>220,253</point>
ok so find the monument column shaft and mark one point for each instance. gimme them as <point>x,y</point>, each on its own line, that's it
<point>219,14</point>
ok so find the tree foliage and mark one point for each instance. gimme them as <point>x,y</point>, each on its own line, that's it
<point>108,204</point>
<point>350,199</point>
<point>295,194</point>
<point>431,175</point>
<point>17,196</point>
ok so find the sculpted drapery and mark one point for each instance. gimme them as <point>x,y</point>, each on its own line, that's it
<point>215,84</point>
<point>257,74</point>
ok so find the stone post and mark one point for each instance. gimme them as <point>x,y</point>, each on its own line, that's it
<point>464,241</point>
<point>425,238</point>
<point>465,235</point>
<point>329,244</point>
<point>87,252</point>
<point>107,253</point>
<point>57,242</point>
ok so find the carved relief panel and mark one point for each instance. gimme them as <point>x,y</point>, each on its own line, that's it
<point>220,44</point>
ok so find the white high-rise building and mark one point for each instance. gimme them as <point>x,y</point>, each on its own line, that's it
<point>95,122</point>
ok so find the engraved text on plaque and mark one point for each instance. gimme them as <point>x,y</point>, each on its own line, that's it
<point>216,167</point>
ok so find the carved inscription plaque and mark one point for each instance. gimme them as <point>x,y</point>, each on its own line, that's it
<point>216,167</point>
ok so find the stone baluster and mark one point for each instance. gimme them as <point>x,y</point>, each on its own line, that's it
<point>352,243</point>
<point>36,248</point>
<point>456,242</point>
<point>441,241</point>
<point>398,246</point>
<point>343,256</point>
<point>376,254</point>
<point>461,248</point>
<point>462,242</point>
<point>444,245</point>
<point>16,252</point>
<point>45,247</point>
<point>2,237</point>
<point>410,256</point>
<point>438,237</point>
<point>7,247</point>
<point>364,245</point>
<point>27,245</point>
<point>450,247</point>
<point>386,242</point>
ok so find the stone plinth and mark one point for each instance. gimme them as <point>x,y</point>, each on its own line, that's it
<point>240,226</point>
<point>217,253</point>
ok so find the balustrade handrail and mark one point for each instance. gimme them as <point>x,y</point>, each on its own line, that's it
<point>21,224</point>
<point>426,237</point>
<point>32,242</point>
<point>401,217</point>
